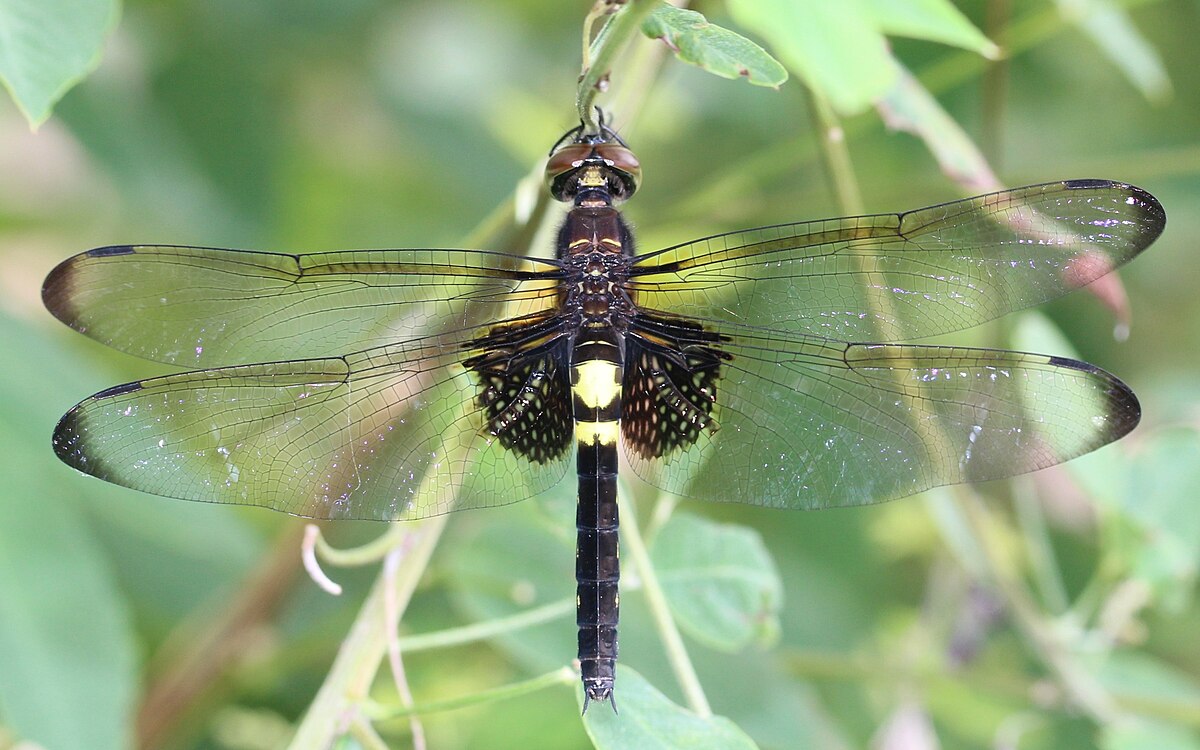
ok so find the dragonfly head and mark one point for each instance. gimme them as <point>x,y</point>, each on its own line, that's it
<point>593,168</point>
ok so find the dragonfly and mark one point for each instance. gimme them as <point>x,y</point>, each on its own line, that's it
<point>753,366</point>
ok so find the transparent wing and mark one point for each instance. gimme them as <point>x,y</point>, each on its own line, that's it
<point>906,276</point>
<point>803,422</point>
<point>396,432</point>
<point>204,307</point>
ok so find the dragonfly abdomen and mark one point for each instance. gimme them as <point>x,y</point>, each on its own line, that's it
<point>596,375</point>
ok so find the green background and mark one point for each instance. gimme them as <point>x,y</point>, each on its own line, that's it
<point>302,125</point>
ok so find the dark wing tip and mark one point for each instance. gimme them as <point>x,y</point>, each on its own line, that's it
<point>1122,410</point>
<point>1152,214</point>
<point>66,441</point>
<point>56,290</point>
<point>59,287</point>
<point>70,434</point>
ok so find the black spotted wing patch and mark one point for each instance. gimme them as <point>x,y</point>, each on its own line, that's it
<point>672,371</point>
<point>525,388</point>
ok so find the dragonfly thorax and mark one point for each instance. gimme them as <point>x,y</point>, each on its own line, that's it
<point>595,249</point>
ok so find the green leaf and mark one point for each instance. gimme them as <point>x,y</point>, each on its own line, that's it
<point>1141,734</point>
<point>1111,29</point>
<point>1151,524</point>
<point>720,581</point>
<point>935,20</point>
<point>1136,675</point>
<point>1153,521</point>
<point>835,47</point>
<point>910,107</point>
<point>515,561</point>
<point>47,46</point>
<point>1034,332</point>
<point>1160,499</point>
<point>718,50</point>
<point>66,644</point>
<point>648,720</point>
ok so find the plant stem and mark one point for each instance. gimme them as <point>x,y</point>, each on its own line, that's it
<point>832,139</point>
<point>349,680</point>
<point>563,676</point>
<point>867,667</point>
<point>1085,690</point>
<point>1041,552</point>
<point>366,735</point>
<point>373,551</point>
<point>196,657</point>
<point>663,508</point>
<point>611,40</point>
<point>677,654</point>
<point>994,87</point>
<point>490,628</point>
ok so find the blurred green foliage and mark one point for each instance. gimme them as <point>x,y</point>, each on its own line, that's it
<point>301,125</point>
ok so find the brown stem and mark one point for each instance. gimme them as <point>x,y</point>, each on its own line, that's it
<point>196,662</point>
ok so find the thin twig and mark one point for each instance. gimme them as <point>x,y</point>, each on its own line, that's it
<point>677,655</point>
<point>195,662</point>
<point>349,680</point>
<point>360,728</point>
<point>372,552</point>
<point>617,32</point>
<point>562,676</point>
<point>1042,560</point>
<point>832,138</point>
<point>308,554</point>
<point>392,610</point>
<point>1083,687</point>
<point>487,629</point>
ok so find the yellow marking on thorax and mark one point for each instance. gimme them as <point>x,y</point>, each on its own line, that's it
<point>598,385</point>
<point>590,433</point>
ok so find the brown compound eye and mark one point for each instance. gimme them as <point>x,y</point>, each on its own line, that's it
<point>565,159</point>
<point>626,169</point>
<point>615,165</point>
<point>619,157</point>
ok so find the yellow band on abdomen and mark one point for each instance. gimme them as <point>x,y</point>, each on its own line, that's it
<point>590,433</point>
<point>598,385</point>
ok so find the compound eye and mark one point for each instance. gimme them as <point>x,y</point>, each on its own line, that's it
<point>626,166</point>
<point>565,159</point>
<point>619,157</point>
